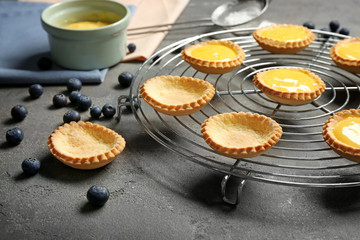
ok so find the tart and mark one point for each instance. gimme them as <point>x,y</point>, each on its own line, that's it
<point>284,38</point>
<point>85,145</point>
<point>175,95</point>
<point>214,56</point>
<point>291,86</point>
<point>346,54</point>
<point>240,135</point>
<point>342,133</point>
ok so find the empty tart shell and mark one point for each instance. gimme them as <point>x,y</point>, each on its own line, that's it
<point>175,95</point>
<point>342,131</point>
<point>240,135</point>
<point>214,56</point>
<point>288,95</point>
<point>284,38</point>
<point>85,145</point>
<point>346,54</point>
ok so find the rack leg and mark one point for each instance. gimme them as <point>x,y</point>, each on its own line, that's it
<point>235,199</point>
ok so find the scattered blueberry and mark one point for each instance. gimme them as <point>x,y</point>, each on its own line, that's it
<point>30,166</point>
<point>108,110</point>
<point>344,31</point>
<point>73,84</point>
<point>325,29</point>
<point>44,63</point>
<point>74,96</point>
<point>98,195</point>
<point>59,100</point>
<point>334,25</point>
<point>309,25</point>
<point>95,111</point>
<point>125,79</point>
<point>131,47</point>
<point>14,136</point>
<point>36,90</point>
<point>83,102</point>
<point>155,60</point>
<point>179,50</point>
<point>19,112</point>
<point>71,115</point>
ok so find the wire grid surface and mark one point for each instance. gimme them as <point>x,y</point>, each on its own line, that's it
<point>301,157</point>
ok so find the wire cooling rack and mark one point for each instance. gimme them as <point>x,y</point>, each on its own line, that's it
<point>301,157</point>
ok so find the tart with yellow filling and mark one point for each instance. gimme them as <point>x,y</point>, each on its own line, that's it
<point>291,86</point>
<point>284,38</point>
<point>240,135</point>
<point>342,133</point>
<point>177,96</point>
<point>84,145</point>
<point>346,54</point>
<point>214,56</point>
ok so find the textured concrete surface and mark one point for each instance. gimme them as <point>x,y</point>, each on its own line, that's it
<point>155,194</point>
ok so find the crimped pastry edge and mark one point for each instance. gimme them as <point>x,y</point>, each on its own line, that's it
<point>290,98</point>
<point>87,163</point>
<point>214,67</point>
<point>350,65</point>
<point>183,109</point>
<point>246,152</point>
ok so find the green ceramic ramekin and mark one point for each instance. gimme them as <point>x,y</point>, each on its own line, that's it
<point>86,49</point>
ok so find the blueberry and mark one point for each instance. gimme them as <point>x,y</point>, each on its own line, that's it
<point>334,25</point>
<point>325,29</point>
<point>128,106</point>
<point>98,195</point>
<point>71,115</point>
<point>74,96</point>
<point>179,50</point>
<point>59,100</point>
<point>95,111</point>
<point>36,90</point>
<point>30,166</point>
<point>131,47</point>
<point>83,102</point>
<point>155,59</point>
<point>108,110</point>
<point>19,112</point>
<point>73,84</point>
<point>44,63</point>
<point>309,25</point>
<point>14,136</point>
<point>344,31</point>
<point>125,79</point>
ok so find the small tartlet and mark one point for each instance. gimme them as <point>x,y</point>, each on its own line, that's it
<point>216,56</point>
<point>346,54</point>
<point>287,95</point>
<point>240,134</point>
<point>85,145</point>
<point>284,38</point>
<point>177,95</point>
<point>339,138</point>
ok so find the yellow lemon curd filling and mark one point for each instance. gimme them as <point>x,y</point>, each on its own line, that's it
<point>283,33</point>
<point>87,24</point>
<point>347,131</point>
<point>289,80</point>
<point>350,51</point>
<point>214,52</point>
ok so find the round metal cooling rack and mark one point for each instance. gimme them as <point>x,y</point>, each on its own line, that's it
<point>301,157</point>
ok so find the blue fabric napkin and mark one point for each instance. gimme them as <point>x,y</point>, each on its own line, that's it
<point>23,42</point>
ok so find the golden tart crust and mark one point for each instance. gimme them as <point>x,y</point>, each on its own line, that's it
<point>175,95</point>
<point>85,145</point>
<point>216,48</point>
<point>332,136</point>
<point>284,38</point>
<point>240,135</point>
<point>286,96</point>
<point>339,53</point>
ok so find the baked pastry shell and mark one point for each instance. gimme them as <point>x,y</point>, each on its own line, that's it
<point>283,47</point>
<point>290,98</point>
<point>214,67</point>
<point>181,109</point>
<point>351,65</point>
<point>249,121</point>
<point>344,150</point>
<point>86,162</point>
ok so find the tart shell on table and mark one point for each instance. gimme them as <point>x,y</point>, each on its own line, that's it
<point>342,133</point>
<point>290,86</point>
<point>346,54</point>
<point>284,38</point>
<point>177,95</point>
<point>85,145</point>
<point>214,56</point>
<point>241,134</point>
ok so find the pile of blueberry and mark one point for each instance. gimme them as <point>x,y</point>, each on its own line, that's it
<point>334,26</point>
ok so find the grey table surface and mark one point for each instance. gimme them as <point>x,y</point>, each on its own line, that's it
<point>155,193</point>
